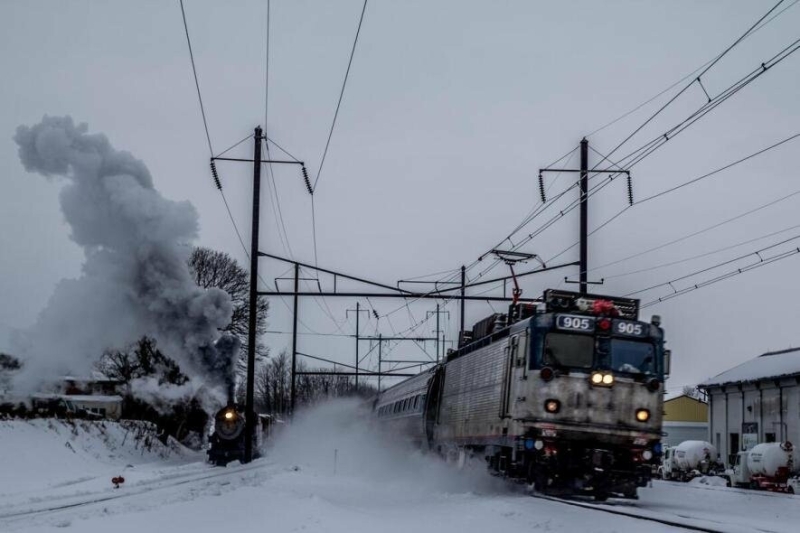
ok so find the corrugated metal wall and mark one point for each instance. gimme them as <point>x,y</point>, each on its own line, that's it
<point>685,409</point>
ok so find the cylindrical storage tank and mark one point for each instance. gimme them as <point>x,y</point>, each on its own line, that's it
<point>688,454</point>
<point>765,459</point>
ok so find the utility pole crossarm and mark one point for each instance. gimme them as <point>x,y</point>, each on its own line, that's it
<point>271,161</point>
<point>584,171</point>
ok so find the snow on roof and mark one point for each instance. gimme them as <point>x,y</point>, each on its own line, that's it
<point>86,398</point>
<point>92,398</point>
<point>768,365</point>
<point>674,395</point>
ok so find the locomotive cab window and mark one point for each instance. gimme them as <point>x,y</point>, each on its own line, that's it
<point>561,349</point>
<point>634,357</point>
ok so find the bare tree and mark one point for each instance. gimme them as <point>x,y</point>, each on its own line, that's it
<point>691,391</point>
<point>211,268</point>
<point>142,359</point>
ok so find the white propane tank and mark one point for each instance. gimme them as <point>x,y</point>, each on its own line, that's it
<point>765,459</point>
<point>689,453</point>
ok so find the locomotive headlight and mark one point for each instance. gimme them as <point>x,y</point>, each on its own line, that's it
<point>647,455</point>
<point>228,415</point>
<point>642,415</point>
<point>552,406</point>
<point>606,380</point>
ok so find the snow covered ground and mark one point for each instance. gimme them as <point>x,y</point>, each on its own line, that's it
<point>326,473</point>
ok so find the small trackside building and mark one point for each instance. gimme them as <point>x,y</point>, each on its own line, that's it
<point>757,401</point>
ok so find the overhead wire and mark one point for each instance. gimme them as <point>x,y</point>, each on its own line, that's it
<point>716,266</point>
<point>722,277</point>
<point>690,75</point>
<point>341,95</point>
<point>272,185</point>
<point>700,231</point>
<point>678,187</point>
<point>205,124</point>
<point>698,77</point>
<point>705,254</point>
<point>638,155</point>
<point>650,147</point>
<point>211,151</point>
<point>647,149</point>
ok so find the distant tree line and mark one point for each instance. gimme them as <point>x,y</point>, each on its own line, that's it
<point>273,386</point>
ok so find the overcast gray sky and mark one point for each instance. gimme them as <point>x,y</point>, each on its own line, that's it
<point>450,109</point>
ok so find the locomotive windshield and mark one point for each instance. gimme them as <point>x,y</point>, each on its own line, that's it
<point>561,349</point>
<point>635,357</point>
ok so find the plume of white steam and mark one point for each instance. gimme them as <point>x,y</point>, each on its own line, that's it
<point>163,396</point>
<point>135,280</point>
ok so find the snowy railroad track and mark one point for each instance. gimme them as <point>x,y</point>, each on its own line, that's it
<point>18,512</point>
<point>637,514</point>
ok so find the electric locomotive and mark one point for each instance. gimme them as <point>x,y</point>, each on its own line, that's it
<point>566,395</point>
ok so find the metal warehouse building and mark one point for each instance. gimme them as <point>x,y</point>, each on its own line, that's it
<point>757,401</point>
<point>685,418</point>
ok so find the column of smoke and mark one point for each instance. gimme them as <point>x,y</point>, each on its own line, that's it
<point>135,280</point>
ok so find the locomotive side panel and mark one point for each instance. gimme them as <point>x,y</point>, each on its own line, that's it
<point>473,395</point>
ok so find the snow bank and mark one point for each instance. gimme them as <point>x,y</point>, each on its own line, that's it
<point>711,481</point>
<point>338,439</point>
<point>45,453</point>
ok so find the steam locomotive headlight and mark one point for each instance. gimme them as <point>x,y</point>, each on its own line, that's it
<point>647,455</point>
<point>642,415</point>
<point>597,378</point>
<point>552,406</point>
<point>228,415</point>
<point>608,379</point>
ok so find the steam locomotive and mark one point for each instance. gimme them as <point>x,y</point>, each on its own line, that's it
<point>226,443</point>
<point>566,396</point>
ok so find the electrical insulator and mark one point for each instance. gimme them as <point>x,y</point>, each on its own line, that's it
<point>630,190</point>
<point>215,175</point>
<point>308,181</point>
<point>541,188</point>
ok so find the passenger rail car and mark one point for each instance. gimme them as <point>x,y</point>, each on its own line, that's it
<point>568,397</point>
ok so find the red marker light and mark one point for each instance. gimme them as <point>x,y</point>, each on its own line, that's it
<point>546,373</point>
<point>604,324</point>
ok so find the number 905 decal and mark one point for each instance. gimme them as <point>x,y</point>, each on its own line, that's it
<point>633,329</point>
<point>576,323</point>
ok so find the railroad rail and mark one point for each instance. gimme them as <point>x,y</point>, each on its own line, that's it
<point>608,508</point>
<point>9,516</point>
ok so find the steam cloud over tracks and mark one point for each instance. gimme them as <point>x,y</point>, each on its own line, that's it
<point>135,280</point>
